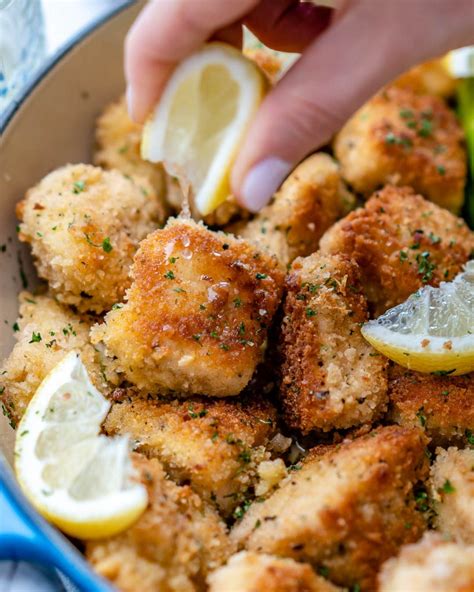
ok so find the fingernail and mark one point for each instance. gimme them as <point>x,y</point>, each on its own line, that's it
<point>262,181</point>
<point>129,99</point>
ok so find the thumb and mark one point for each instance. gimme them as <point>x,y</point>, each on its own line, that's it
<point>366,47</point>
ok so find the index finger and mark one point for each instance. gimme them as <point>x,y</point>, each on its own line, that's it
<point>165,32</point>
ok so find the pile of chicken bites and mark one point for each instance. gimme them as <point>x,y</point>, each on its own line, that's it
<point>280,451</point>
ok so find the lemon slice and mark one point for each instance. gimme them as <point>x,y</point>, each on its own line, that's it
<point>460,62</point>
<point>199,123</point>
<point>433,331</point>
<point>81,481</point>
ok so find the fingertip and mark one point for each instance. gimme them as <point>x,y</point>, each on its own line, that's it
<point>261,182</point>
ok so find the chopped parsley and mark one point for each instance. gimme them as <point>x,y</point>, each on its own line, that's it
<point>447,487</point>
<point>35,337</point>
<point>78,187</point>
<point>169,275</point>
<point>310,312</point>
<point>106,246</point>
<point>260,276</point>
<point>237,302</point>
<point>441,169</point>
<point>425,266</point>
<point>426,127</point>
<point>421,416</point>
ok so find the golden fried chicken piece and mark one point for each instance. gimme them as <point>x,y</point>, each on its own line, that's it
<point>452,488</point>
<point>256,572</point>
<point>45,331</point>
<point>118,140</point>
<point>84,225</point>
<point>441,405</point>
<point>311,199</point>
<point>331,376</point>
<point>402,138</point>
<point>429,78</point>
<point>197,312</point>
<point>214,445</point>
<point>347,509</point>
<point>172,546</point>
<point>401,242</point>
<point>431,565</point>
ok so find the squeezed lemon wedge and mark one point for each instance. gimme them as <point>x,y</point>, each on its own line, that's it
<point>432,331</point>
<point>199,123</point>
<point>76,478</point>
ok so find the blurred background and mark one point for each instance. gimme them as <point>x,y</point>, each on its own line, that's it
<point>32,31</point>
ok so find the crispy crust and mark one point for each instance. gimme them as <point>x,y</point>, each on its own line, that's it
<point>214,445</point>
<point>84,225</point>
<point>311,199</point>
<point>254,572</point>
<point>331,377</point>
<point>172,546</point>
<point>433,565</point>
<point>389,238</point>
<point>347,510</point>
<point>441,405</point>
<point>46,331</point>
<point>118,141</point>
<point>429,78</point>
<point>197,313</point>
<point>402,138</point>
<point>452,489</point>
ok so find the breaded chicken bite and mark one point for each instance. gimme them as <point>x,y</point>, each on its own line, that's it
<point>257,572</point>
<point>429,78</point>
<point>452,489</point>
<point>431,565</point>
<point>45,332</point>
<point>118,140</point>
<point>440,405</point>
<point>331,376</point>
<point>216,446</point>
<point>345,511</point>
<point>172,546</point>
<point>402,138</point>
<point>197,313</point>
<point>401,243</point>
<point>84,225</point>
<point>311,199</point>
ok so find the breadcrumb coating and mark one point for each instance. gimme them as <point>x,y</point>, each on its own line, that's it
<point>452,489</point>
<point>402,138</point>
<point>197,313</point>
<point>255,572</point>
<point>429,78</point>
<point>346,510</point>
<point>45,331</point>
<point>118,141</point>
<point>214,445</point>
<point>401,243</point>
<point>311,199</point>
<point>440,405</point>
<point>84,225</point>
<point>331,376</point>
<point>172,546</point>
<point>431,565</point>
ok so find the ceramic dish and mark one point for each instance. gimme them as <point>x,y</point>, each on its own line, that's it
<point>51,124</point>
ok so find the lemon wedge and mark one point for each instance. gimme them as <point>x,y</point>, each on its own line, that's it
<point>79,480</point>
<point>432,331</point>
<point>198,125</point>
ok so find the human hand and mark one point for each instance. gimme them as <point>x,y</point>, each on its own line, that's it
<point>347,55</point>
